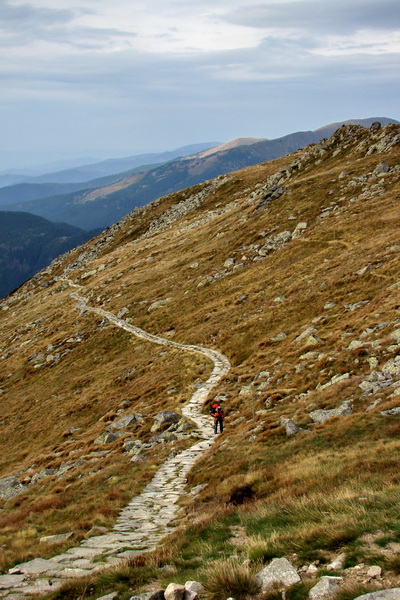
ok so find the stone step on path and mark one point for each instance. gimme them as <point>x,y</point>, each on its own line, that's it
<point>145,521</point>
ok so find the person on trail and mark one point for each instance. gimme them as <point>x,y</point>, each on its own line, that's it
<point>216,411</point>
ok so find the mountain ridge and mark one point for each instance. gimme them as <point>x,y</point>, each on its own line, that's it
<point>107,206</point>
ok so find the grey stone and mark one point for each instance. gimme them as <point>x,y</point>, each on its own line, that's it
<point>10,581</point>
<point>106,438</point>
<point>322,415</point>
<point>395,335</point>
<point>392,367</point>
<point>278,571</point>
<point>229,263</point>
<point>10,487</point>
<point>174,591</point>
<point>290,426</point>
<point>390,594</point>
<point>158,304</point>
<point>325,588</point>
<point>382,167</point>
<point>57,539</point>
<point>313,340</point>
<point>337,563</point>
<point>374,571</point>
<point>112,596</point>
<point>392,412</point>
<point>307,332</point>
<point>124,421</point>
<point>38,565</point>
<point>194,586</point>
<point>167,416</point>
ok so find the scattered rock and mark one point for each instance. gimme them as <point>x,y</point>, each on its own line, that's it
<point>165,416</point>
<point>57,539</point>
<point>158,304</point>
<point>382,167</point>
<point>325,588</point>
<point>106,438</point>
<point>279,571</point>
<point>126,421</point>
<point>392,412</point>
<point>337,563</point>
<point>321,415</point>
<point>174,591</point>
<point>195,587</point>
<point>391,594</point>
<point>229,263</point>
<point>112,596</point>
<point>374,571</point>
<point>290,426</point>
<point>10,487</point>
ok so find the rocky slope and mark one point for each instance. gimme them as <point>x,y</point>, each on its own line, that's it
<point>290,269</point>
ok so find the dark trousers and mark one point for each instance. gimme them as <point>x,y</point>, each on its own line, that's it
<point>221,425</point>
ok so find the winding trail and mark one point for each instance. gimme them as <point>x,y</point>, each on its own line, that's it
<point>145,521</point>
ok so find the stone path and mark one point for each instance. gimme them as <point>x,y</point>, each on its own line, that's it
<point>146,520</point>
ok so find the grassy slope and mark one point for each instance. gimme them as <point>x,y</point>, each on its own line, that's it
<point>345,470</point>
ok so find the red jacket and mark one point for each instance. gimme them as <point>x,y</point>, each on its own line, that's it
<point>216,411</point>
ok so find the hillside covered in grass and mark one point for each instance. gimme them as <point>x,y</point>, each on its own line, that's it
<point>289,268</point>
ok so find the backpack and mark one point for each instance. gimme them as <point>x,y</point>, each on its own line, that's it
<point>217,412</point>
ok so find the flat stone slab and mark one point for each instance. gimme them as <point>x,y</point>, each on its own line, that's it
<point>80,552</point>
<point>38,565</point>
<point>10,581</point>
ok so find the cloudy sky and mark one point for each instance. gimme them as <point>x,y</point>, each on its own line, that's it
<point>105,78</point>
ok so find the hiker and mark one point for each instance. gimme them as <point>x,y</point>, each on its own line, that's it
<point>217,413</point>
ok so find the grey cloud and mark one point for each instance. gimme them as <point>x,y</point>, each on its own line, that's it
<point>21,25</point>
<point>26,15</point>
<point>339,17</point>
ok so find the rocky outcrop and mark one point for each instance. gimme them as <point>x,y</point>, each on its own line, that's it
<point>319,416</point>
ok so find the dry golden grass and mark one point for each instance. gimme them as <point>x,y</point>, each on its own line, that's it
<point>238,314</point>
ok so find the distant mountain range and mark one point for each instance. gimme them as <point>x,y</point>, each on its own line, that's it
<point>28,243</point>
<point>98,205</point>
<point>43,220</point>
<point>110,166</point>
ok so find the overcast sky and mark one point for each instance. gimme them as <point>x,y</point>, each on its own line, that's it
<point>105,78</point>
